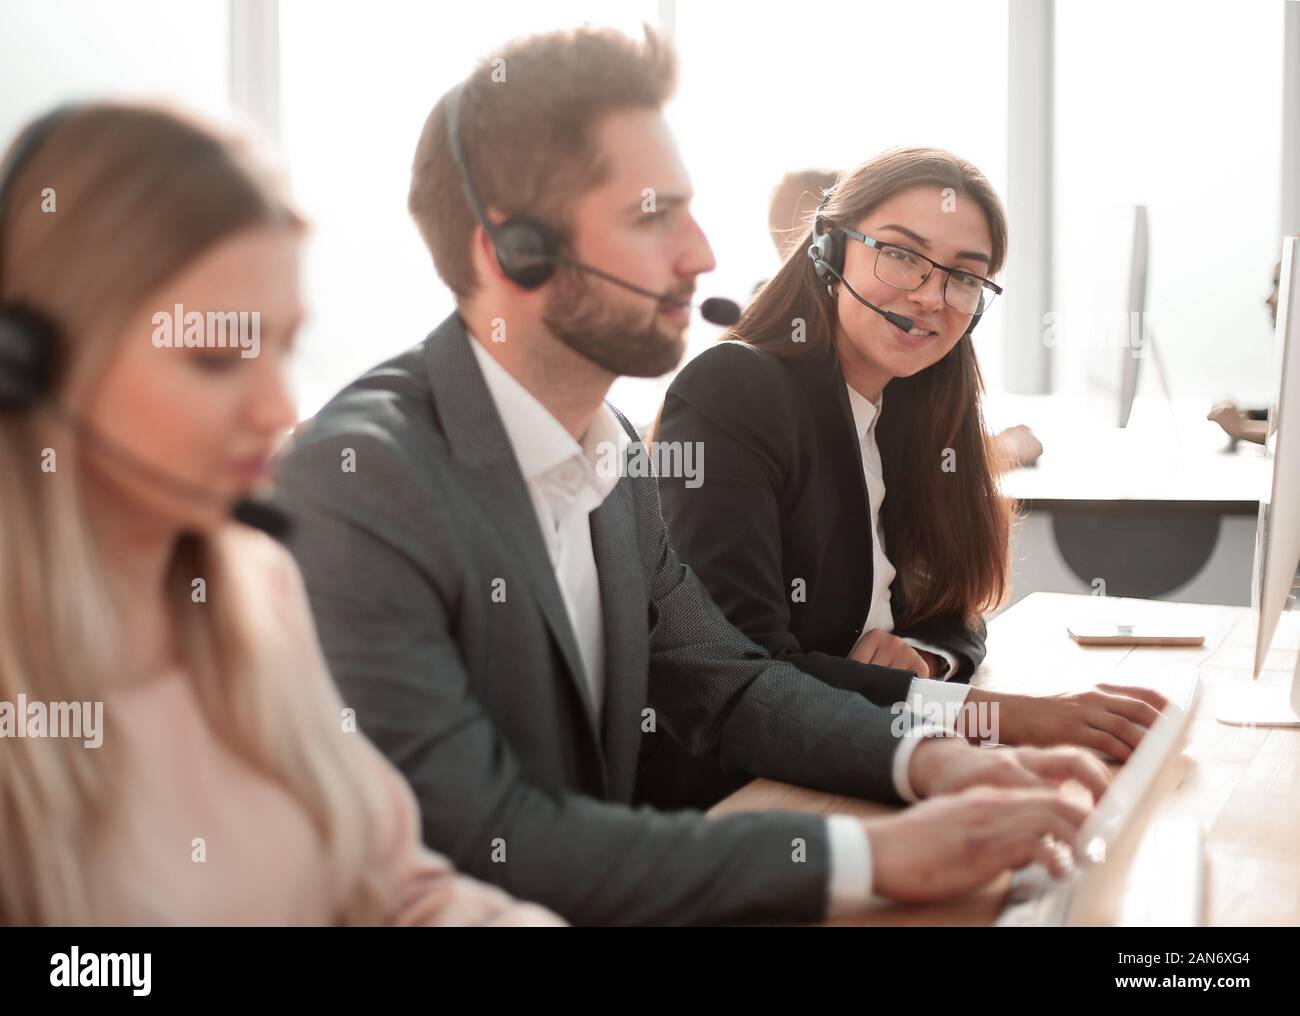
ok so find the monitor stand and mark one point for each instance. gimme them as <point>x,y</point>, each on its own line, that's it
<point>1254,706</point>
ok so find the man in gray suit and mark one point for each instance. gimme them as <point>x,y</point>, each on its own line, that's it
<point>496,593</point>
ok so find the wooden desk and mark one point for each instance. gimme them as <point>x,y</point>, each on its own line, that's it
<point>1240,785</point>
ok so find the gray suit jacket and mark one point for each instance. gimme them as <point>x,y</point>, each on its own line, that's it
<point>480,700</point>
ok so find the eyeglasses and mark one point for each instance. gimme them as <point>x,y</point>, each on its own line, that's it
<point>907,270</point>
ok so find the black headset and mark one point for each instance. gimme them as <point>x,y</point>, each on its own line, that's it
<point>527,250</point>
<point>827,255</point>
<point>29,341</point>
<point>827,250</point>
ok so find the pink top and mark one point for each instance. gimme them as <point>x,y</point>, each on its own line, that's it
<point>262,860</point>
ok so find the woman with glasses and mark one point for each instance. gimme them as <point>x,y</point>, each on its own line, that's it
<point>848,512</point>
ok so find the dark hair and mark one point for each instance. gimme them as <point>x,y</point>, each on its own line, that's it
<point>527,119</point>
<point>950,531</point>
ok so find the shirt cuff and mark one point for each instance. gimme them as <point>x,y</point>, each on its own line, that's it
<point>943,654</point>
<point>849,887</point>
<point>939,704</point>
<point>921,727</point>
<point>924,690</point>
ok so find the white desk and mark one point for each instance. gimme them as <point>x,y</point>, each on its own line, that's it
<point>1158,509</point>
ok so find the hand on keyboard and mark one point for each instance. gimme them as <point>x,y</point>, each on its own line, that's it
<point>947,765</point>
<point>950,845</point>
<point>1108,720</point>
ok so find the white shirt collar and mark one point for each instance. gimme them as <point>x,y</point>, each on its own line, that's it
<point>542,445</point>
<point>865,412</point>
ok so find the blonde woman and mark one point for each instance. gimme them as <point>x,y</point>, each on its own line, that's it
<point>224,781</point>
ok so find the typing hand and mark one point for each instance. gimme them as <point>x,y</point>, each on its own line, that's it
<point>951,845</point>
<point>948,765</point>
<point>1111,718</point>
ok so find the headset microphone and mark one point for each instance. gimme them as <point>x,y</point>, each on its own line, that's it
<point>716,310</point>
<point>897,320</point>
<point>263,515</point>
<point>250,511</point>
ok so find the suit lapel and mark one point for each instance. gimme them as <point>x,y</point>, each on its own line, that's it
<point>820,376</point>
<point>478,440</point>
<point>818,373</point>
<point>623,601</point>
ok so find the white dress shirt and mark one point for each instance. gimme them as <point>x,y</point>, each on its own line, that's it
<point>566,485</point>
<point>880,614</point>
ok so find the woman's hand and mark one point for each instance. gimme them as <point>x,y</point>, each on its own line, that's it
<point>887,650</point>
<point>1111,718</point>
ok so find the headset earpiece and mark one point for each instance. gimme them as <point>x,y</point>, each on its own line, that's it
<point>29,341</point>
<point>29,358</point>
<point>526,251</point>
<point>827,247</point>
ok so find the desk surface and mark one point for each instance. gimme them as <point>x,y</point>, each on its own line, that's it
<point>1240,785</point>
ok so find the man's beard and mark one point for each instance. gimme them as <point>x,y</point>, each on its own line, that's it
<point>614,335</point>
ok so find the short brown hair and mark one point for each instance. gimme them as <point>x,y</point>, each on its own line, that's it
<point>526,120</point>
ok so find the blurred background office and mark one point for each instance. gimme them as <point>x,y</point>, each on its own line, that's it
<point>1148,154</point>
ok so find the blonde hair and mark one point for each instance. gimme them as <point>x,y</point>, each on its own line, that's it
<point>141,191</point>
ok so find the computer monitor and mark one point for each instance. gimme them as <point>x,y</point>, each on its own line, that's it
<point>1131,356</point>
<point>1116,315</point>
<point>1277,538</point>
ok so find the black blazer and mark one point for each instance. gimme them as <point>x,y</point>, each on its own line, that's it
<point>783,497</point>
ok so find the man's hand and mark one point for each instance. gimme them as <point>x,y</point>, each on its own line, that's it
<point>948,765</point>
<point>887,650</point>
<point>949,846</point>
<point>1111,718</point>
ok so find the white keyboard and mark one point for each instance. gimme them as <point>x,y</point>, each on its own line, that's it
<point>1173,857</point>
<point>1036,900</point>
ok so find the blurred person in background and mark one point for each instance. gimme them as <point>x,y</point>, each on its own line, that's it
<point>222,782</point>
